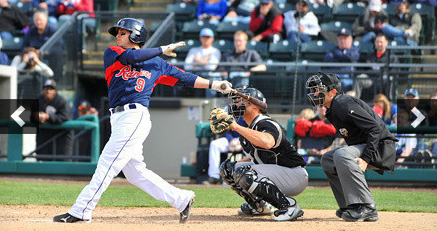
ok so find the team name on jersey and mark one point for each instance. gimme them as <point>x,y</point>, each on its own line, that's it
<point>127,73</point>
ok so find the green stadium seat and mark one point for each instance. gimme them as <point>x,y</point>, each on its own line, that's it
<point>282,51</point>
<point>223,45</point>
<point>323,12</point>
<point>330,29</point>
<point>347,12</point>
<point>365,48</point>
<point>428,22</point>
<point>316,50</point>
<point>260,47</point>
<point>226,30</point>
<point>191,30</point>
<point>284,7</point>
<point>183,11</point>
<point>183,51</point>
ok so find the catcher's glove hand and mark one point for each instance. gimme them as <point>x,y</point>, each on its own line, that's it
<point>220,121</point>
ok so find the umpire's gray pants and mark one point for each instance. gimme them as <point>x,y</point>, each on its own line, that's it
<point>345,176</point>
<point>291,181</point>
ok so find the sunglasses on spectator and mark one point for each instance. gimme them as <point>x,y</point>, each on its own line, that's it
<point>81,108</point>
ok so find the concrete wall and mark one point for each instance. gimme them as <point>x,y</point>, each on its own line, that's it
<point>173,134</point>
<point>8,90</point>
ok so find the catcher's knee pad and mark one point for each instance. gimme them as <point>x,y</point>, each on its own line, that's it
<point>260,188</point>
<point>226,170</point>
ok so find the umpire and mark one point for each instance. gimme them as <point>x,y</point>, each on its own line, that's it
<point>369,145</point>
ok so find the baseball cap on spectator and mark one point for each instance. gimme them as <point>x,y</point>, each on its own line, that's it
<point>397,2</point>
<point>85,105</point>
<point>49,84</point>
<point>378,110</point>
<point>344,31</point>
<point>412,92</point>
<point>375,5</point>
<point>206,32</point>
<point>265,1</point>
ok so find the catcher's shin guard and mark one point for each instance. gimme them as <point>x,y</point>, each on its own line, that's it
<point>263,188</point>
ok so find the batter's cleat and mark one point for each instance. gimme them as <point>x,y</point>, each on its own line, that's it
<point>247,210</point>
<point>291,214</point>
<point>361,212</point>
<point>67,218</point>
<point>187,211</point>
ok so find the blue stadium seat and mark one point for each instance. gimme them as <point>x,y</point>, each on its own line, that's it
<point>226,30</point>
<point>260,47</point>
<point>347,12</point>
<point>183,11</point>
<point>191,30</point>
<point>282,51</point>
<point>316,50</point>
<point>223,45</point>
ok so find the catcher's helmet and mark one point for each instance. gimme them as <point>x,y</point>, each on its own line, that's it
<point>321,83</point>
<point>237,106</point>
<point>137,29</point>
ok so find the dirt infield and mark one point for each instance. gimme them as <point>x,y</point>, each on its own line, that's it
<point>32,217</point>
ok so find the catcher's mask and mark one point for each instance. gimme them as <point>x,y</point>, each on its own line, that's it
<point>137,29</point>
<point>237,105</point>
<point>320,84</point>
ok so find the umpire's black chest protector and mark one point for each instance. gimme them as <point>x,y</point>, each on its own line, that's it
<point>283,153</point>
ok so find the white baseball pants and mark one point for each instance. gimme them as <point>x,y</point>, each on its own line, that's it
<point>124,151</point>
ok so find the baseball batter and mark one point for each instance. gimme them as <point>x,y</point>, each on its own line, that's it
<point>273,172</point>
<point>131,74</point>
<point>369,145</point>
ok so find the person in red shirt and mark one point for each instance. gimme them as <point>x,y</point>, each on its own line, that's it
<point>266,22</point>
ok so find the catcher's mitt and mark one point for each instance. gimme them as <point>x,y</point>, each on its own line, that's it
<point>220,121</point>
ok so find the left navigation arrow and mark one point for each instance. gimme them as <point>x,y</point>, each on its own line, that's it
<point>16,116</point>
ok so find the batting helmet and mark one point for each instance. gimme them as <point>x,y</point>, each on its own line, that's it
<point>321,83</point>
<point>137,29</point>
<point>237,106</point>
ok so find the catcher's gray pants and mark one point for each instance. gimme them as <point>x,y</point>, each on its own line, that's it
<point>291,181</point>
<point>345,176</point>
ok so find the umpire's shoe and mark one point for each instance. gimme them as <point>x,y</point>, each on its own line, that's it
<point>187,211</point>
<point>361,212</point>
<point>292,213</point>
<point>247,210</point>
<point>67,218</point>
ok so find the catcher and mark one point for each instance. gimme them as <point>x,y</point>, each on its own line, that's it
<point>273,171</point>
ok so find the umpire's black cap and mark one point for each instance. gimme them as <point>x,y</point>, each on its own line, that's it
<point>331,81</point>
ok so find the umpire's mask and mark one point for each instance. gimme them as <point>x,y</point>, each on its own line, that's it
<point>320,84</point>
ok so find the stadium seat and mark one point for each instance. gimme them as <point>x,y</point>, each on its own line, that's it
<point>316,50</point>
<point>389,9</point>
<point>191,30</point>
<point>404,55</point>
<point>183,11</point>
<point>329,30</point>
<point>226,30</point>
<point>365,48</point>
<point>282,51</point>
<point>323,12</point>
<point>260,47</point>
<point>223,45</point>
<point>183,51</point>
<point>284,7</point>
<point>347,12</point>
<point>428,22</point>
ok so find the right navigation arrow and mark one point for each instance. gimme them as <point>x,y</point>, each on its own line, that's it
<point>419,115</point>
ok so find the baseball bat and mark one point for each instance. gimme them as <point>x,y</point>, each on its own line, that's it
<point>257,102</point>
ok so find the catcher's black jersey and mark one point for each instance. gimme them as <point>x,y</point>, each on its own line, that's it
<point>283,153</point>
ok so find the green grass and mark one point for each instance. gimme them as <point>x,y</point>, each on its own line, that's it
<point>20,193</point>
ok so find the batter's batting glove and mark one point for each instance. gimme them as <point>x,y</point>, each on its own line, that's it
<point>168,49</point>
<point>222,86</point>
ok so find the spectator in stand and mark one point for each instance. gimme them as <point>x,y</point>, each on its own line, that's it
<point>411,99</point>
<point>345,52</point>
<point>4,60</point>
<point>230,142</point>
<point>38,35</point>
<point>239,75</point>
<point>13,20</point>
<point>266,22</point>
<point>212,11</point>
<point>301,23</point>
<point>53,109</point>
<point>204,58</point>
<point>239,11</point>
<point>379,111</point>
<point>84,138</point>
<point>379,55</point>
<point>48,5</point>
<point>29,62</point>
<point>303,124</point>
<point>371,22</point>
<point>389,110</point>
<point>85,109</point>
<point>403,27</point>
<point>432,114</point>
<point>407,142</point>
